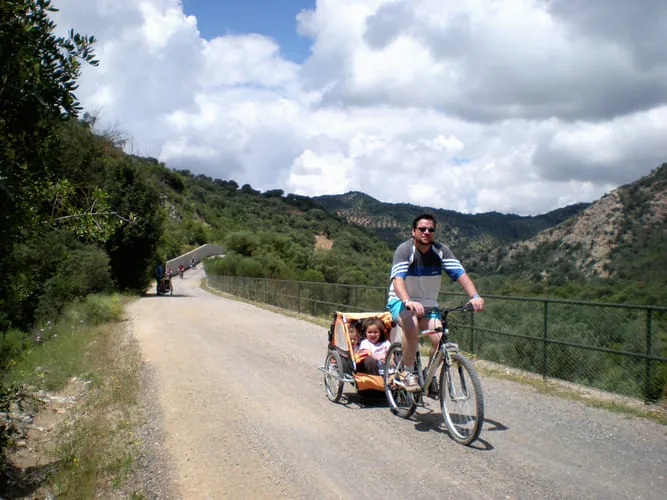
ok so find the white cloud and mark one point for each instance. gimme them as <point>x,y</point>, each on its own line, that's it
<point>246,59</point>
<point>510,105</point>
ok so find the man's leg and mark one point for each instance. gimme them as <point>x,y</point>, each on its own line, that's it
<point>432,324</point>
<point>408,323</point>
<point>409,341</point>
<point>410,327</point>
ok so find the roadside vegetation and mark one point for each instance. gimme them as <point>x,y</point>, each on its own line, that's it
<point>80,221</point>
<point>87,446</point>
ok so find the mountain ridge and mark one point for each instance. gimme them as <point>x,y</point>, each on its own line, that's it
<point>469,233</point>
<point>621,235</point>
<point>631,219</point>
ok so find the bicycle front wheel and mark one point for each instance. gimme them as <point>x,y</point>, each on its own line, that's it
<point>461,399</point>
<point>402,402</point>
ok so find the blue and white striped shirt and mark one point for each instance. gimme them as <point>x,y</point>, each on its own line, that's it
<point>422,272</point>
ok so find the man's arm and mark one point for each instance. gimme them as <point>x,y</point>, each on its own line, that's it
<point>401,290</point>
<point>469,287</point>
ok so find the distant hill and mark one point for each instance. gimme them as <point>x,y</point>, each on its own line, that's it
<point>613,249</point>
<point>623,235</point>
<point>267,234</point>
<point>468,235</point>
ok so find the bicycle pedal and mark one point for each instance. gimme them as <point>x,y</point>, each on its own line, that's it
<point>400,384</point>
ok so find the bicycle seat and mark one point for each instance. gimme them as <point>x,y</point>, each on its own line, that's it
<point>431,331</point>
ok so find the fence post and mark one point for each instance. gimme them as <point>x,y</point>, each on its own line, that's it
<point>649,351</point>
<point>298,294</point>
<point>545,365</point>
<point>472,334</point>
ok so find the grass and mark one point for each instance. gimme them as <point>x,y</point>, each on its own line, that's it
<point>95,444</point>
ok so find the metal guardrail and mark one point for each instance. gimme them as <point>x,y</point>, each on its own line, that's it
<point>619,348</point>
<point>198,254</point>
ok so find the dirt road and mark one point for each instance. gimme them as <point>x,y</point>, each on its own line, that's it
<point>244,415</point>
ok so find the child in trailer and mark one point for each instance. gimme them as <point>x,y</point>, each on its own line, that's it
<point>354,330</point>
<point>375,345</point>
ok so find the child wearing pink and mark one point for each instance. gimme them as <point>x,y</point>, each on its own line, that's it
<point>375,344</point>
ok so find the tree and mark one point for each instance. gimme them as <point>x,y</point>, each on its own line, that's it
<point>38,74</point>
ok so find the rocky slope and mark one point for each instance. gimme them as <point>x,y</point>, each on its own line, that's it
<point>630,219</point>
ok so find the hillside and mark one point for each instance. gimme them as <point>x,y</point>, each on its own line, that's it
<point>612,249</point>
<point>266,234</point>
<point>468,234</point>
<point>616,245</point>
<point>617,240</point>
<point>612,234</point>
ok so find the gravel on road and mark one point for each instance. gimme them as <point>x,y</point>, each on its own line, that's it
<point>240,406</point>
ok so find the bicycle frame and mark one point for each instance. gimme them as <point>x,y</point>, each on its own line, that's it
<point>460,392</point>
<point>442,352</point>
<point>431,368</point>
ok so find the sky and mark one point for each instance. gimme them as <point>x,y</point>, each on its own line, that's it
<point>514,106</point>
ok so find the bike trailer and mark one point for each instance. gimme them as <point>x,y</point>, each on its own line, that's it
<point>340,364</point>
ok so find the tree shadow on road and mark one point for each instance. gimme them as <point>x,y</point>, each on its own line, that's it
<point>21,482</point>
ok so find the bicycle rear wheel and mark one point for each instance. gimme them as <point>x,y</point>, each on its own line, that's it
<point>402,402</point>
<point>461,399</point>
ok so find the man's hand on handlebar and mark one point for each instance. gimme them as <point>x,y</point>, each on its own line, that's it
<point>477,304</point>
<point>416,307</point>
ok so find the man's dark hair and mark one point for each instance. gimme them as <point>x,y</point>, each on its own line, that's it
<point>423,216</point>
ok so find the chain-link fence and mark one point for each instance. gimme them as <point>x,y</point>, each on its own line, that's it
<point>614,347</point>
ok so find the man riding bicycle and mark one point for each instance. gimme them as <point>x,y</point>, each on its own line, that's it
<point>416,275</point>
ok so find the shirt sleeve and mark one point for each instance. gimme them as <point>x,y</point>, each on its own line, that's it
<point>401,262</point>
<point>450,264</point>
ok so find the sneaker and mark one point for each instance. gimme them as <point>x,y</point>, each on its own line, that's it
<point>409,381</point>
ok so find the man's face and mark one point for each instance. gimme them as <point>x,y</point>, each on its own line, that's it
<point>424,232</point>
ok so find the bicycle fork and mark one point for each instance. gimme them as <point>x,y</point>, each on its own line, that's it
<point>457,392</point>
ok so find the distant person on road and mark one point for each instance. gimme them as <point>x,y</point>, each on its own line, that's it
<point>180,270</point>
<point>158,277</point>
<point>193,263</point>
<point>416,276</point>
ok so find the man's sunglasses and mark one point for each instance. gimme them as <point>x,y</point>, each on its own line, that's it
<point>426,229</point>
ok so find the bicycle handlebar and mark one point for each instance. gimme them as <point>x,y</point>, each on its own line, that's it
<point>446,310</point>
<point>461,307</point>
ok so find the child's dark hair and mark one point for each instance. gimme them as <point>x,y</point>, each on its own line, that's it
<point>380,324</point>
<point>356,325</point>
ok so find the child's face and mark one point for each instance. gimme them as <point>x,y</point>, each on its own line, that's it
<point>354,337</point>
<point>373,333</point>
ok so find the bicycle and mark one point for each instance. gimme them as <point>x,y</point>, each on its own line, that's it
<point>460,390</point>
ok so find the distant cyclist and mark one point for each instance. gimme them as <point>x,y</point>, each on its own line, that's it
<point>159,270</point>
<point>416,275</point>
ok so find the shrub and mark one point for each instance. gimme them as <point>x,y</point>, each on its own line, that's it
<point>84,271</point>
